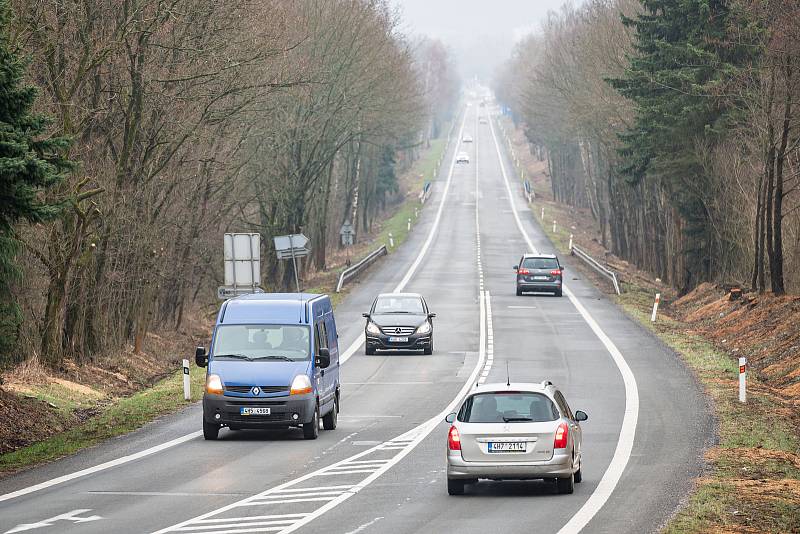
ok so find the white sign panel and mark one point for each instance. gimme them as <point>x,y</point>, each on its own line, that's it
<point>242,260</point>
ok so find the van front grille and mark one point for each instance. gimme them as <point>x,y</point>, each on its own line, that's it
<point>264,389</point>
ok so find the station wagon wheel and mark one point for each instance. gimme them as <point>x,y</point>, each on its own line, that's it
<point>311,429</point>
<point>455,486</point>
<point>566,485</point>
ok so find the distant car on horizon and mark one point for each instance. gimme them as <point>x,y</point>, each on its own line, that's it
<point>467,138</point>
<point>462,157</point>
<point>483,120</point>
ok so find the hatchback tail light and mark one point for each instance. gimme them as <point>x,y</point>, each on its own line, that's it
<point>523,271</point>
<point>454,439</point>
<point>555,272</point>
<point>562,435</point>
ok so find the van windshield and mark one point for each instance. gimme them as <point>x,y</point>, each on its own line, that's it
<point>262,342</point>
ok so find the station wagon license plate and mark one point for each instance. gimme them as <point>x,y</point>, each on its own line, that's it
<point>246,410</point>
<point>540,278</point>
<point>518,446</point>
<point>398,339</point>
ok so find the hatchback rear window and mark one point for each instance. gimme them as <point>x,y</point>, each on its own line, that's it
<point>507,406</point>
<point>540,263</point>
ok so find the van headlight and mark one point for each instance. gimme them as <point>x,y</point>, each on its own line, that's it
<point>214,385</point>
<point>372,328</point>
<point>301,385</point>
<point>424,328</point>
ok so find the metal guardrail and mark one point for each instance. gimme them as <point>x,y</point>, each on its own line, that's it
<point>353,270</point>
<point>605,271</point>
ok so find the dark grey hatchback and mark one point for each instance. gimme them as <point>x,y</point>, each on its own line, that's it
<point>399,321</point>
<point>539,272</point>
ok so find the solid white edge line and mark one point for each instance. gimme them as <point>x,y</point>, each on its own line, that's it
<point>342,359</point>
<point>99,467</point>
<point>627,433</point>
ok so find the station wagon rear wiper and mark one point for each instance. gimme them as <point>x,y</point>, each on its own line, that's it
<point>274,357</point>
<point>236,356</point>
<point>516,419</point>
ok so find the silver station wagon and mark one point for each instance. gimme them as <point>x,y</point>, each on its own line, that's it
<point>514,431</point>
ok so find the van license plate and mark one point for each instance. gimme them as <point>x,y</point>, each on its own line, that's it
<point>507,447</point>
<point>398,340</point>
<point>245,410</point>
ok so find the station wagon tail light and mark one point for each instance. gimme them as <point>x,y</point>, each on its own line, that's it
<point>301,385</point>
<point>214,385</point>
<point>555,272</point>
<point>454,439</point>
<point>523,271</point>
<point>562,434</point>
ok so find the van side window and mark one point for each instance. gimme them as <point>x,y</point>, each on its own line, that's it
<point>321,336</point>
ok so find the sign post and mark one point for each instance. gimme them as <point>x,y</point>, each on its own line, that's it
<point>292,246</point>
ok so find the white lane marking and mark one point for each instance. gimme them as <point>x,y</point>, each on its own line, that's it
<point>99,467</point>
<point>522,307</point>
<point>359,341</point>
<point>342,359</point>
<point>404,444</point>
<point>627,433</point>
<point>73,516</point>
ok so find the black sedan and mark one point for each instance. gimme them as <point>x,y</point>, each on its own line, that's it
<point>399,321</point>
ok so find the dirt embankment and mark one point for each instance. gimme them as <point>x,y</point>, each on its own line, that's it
<point>37,402</point>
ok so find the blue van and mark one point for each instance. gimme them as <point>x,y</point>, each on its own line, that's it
<point>273,363</point>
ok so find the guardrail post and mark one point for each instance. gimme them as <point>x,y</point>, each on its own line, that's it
<point>742,379</point>
<point>187,393</point>
<point>655,308</point>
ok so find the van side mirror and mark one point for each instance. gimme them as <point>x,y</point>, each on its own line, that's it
<point>323,358</point>
<point>581,416</point>
<point>200,357</point>
<point>450,417</point>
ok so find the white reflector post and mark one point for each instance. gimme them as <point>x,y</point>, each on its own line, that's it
<point>655,308</point>
<point>742,379</point>
<point>187,394</point>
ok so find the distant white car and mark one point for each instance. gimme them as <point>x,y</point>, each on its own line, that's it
<point>467,139</point>
<point>462,157</point>
<point>483,120</point>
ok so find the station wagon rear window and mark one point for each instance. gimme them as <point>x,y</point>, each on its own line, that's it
<point>262,342</point>
<point>508,406</point>
<point>540,263</point>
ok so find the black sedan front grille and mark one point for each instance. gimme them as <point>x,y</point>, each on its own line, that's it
<point>398,330</point>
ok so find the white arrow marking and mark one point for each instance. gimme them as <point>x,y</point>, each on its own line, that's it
<point>69,516</point>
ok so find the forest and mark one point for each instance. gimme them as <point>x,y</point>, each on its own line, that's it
<point>676,122</point>
<point>137,132</point>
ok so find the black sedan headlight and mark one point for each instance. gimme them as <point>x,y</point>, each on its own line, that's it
<point>372,328</point>
<point>424,328</point>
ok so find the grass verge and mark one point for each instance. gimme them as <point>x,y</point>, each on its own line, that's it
<point>119,416</point>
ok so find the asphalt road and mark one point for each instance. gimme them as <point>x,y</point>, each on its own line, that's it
<point>382,469</point>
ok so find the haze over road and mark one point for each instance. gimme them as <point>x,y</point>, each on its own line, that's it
<point>382,469</point>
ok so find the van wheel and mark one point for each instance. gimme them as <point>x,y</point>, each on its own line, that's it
<point>311,429</point>
<point>455,486</point>
<point>332,417</point>
<point>210,431</point>
<point>566,485</point>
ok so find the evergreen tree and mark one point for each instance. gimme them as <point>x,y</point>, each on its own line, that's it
<point>681,58</point>
<point>29,163</point>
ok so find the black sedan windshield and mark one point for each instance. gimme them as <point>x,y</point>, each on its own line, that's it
<point>397,304</point>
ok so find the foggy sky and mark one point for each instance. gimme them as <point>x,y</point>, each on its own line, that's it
<point>481,33</point>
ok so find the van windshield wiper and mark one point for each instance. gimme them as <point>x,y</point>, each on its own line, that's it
<point>274,357</point>
<point>234,356</point>
<point>516,419</point>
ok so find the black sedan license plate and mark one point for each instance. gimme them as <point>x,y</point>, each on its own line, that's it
<point>394,339</point>
<point>518,446</point>
<point>246,410</point>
